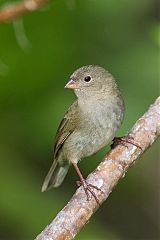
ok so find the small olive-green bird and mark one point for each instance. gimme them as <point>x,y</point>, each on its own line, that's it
<point>89,124</point>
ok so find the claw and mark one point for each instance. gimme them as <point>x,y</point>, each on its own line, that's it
<point>123,140</point>
<point>88,188</point>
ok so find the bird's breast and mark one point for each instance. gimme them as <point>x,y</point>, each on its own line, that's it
<point>97,126</point>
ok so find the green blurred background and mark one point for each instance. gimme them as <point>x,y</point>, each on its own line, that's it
<point>37,55</point>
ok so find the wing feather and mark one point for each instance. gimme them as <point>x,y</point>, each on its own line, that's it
<point>66,127</point>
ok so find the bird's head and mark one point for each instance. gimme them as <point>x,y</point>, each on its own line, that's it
<point>92,80</point>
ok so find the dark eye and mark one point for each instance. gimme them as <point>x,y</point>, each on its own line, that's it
<point>87,79</point>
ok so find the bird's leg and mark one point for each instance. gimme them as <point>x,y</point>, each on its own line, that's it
<point>86,186</point>
<point>123,140</point>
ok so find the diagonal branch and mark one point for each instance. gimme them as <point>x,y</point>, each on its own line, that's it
<point>78,211</point>
<point>14,10</point>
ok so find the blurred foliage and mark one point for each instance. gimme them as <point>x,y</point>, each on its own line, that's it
<point>37,55</point>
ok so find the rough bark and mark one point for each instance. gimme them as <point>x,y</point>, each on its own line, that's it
<point>78,211</point>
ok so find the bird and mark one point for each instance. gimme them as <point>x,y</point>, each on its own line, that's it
<point>90,123</point>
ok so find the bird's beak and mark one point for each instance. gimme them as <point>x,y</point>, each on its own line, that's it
<point>72,84</point>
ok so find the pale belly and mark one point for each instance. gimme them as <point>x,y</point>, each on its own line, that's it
<point>94,134</point>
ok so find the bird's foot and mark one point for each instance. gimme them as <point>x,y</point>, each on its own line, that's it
<point>88,188</point>
<point>123,140</point>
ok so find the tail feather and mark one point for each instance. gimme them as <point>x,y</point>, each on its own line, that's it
<point>55,176</point>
